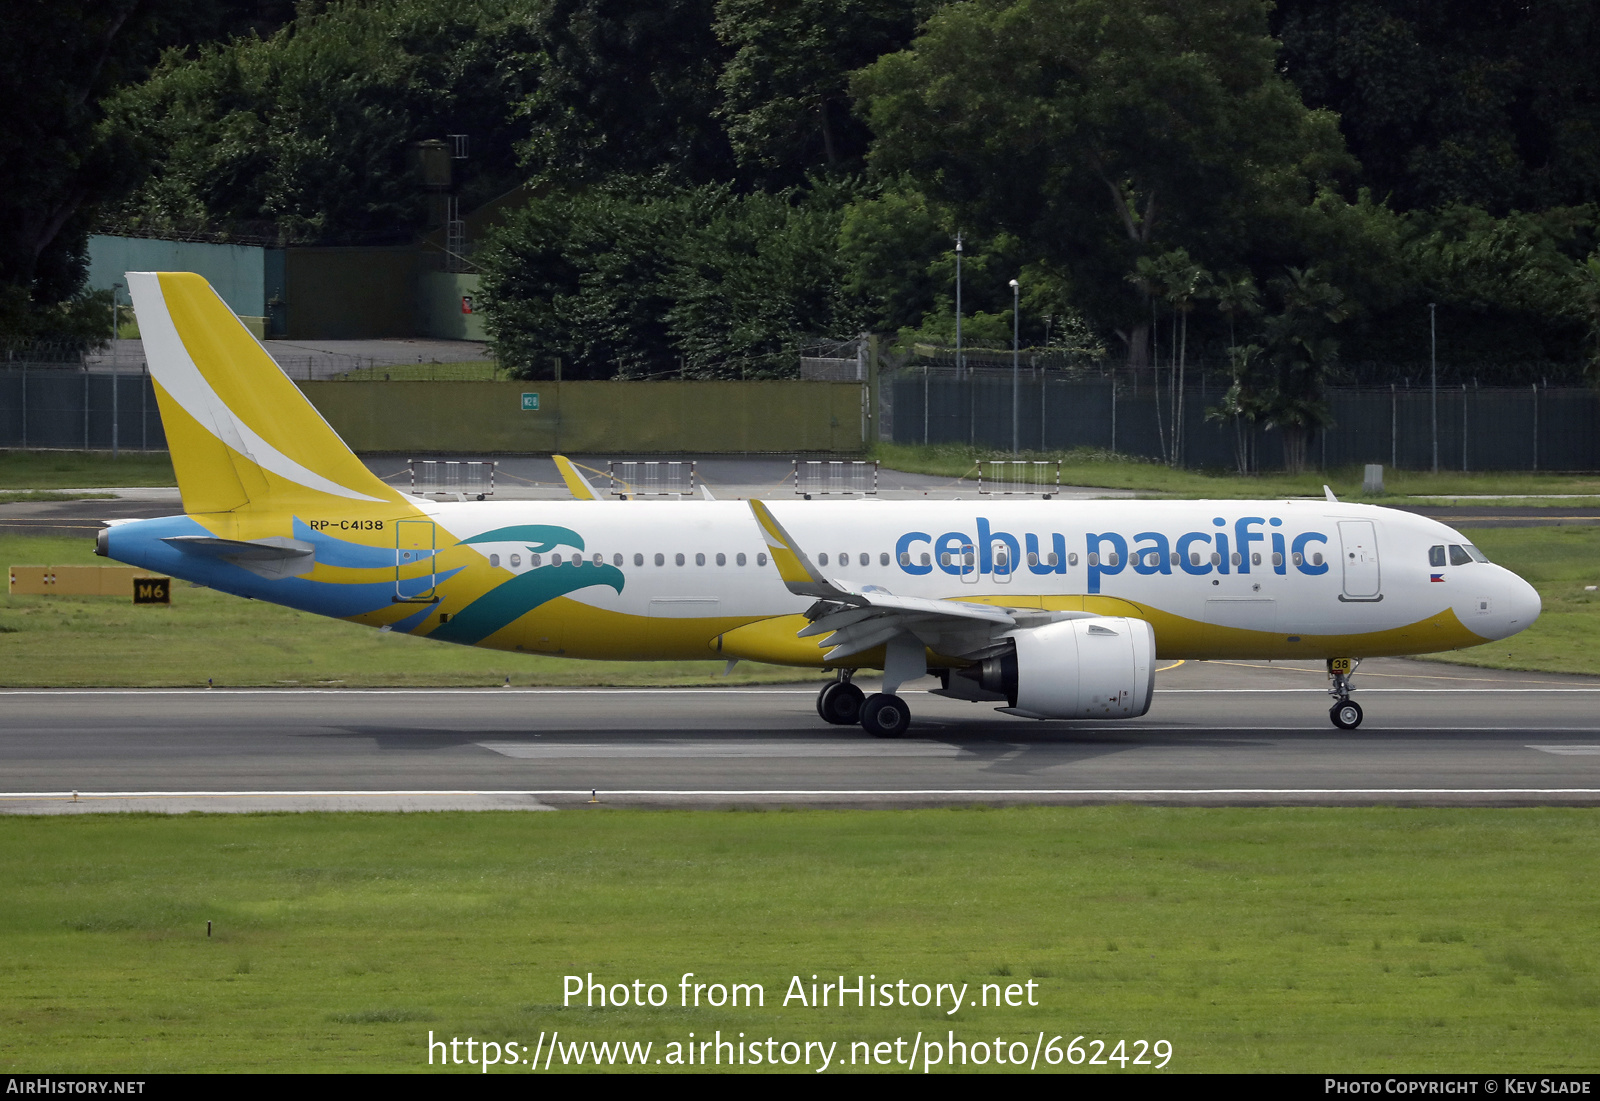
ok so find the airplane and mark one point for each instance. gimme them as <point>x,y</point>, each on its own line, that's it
<point>1050,609</point>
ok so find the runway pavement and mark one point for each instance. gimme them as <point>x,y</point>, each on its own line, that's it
<point>1219,733</point>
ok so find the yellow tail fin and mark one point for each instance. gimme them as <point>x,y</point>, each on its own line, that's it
<point>241,434</point>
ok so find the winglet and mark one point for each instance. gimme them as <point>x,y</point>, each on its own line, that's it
<point>577,484</point>
<point>797,571</point>
<point>1331,497</point>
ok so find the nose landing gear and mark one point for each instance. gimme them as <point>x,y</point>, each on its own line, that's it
<point>1345,713</point>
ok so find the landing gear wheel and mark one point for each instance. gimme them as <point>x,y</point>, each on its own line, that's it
<point>885,716</point>
<point>1346,714</point>
<point>839,703</point>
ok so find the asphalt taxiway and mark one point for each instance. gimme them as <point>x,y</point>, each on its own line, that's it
<point>1218,733</point>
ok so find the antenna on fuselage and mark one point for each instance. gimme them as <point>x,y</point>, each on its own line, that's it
<point>1329,492</point>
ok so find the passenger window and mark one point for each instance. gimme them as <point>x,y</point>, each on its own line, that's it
<point>1054,561</point>
<point>534,560</point>
<point>1072,559</point>
<point>722,559</point>
<point>661,559</point>
<point>1255,559</point>
<point>822,559</point>
<point>1234,558</point>
<point>1113,559</point>
<point>905,558</point>
<point>700,559</point>
<point>1299,559</point>
<point>1033,558</point>
<point>1436,555</point>
<point>616,559</point>
<point>600,558</point>
<point>883,559</point>
<point>1316,559</point>
<point>1194,558</point>
<point>866,559</point>
<point>555,560</point>
<point>1216,558</point>
<point>516,560</point>
<point>1094,558</point>
<point>494,560</point>
<point>1177,560</point>
<point>761,559</point>
<point>844,559</point>
<point>1459,557</point>
<point>638,559</point>
<point>678,558</point>
<point>944,558</point>
<point>739,559</point>
<point>1277,558</point>
<point>925,559</point>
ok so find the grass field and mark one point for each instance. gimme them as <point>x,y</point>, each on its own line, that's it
<point>84,469</point>
<point>61,641</point>
<point>1304,940</point>
<point>1092,468</point>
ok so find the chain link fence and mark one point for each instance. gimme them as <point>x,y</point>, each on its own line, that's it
<point>1533,427</point>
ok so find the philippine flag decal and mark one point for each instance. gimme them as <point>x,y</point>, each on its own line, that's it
<point>1436,577</point>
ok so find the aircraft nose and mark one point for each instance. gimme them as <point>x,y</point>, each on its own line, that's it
<point>1522,604</point>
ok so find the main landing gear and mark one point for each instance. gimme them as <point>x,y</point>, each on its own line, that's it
<point>1345,712</point>
<point>882,714</point>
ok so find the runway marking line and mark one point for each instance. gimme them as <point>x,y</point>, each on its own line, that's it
<point>82,796</point>
<point>491,690</point>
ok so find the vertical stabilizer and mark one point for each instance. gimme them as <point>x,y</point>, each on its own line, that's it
<point>240,433</point>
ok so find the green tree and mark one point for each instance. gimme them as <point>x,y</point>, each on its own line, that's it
<point>307,133</point>
<point>785,96</point>
<point>625,87</point>
<point>1489,103</point>
<point>1302,354</point>
<point>634,278</point>
<point>1099,131</point>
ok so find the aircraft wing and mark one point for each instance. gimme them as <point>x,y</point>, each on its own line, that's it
<point>854,618</point>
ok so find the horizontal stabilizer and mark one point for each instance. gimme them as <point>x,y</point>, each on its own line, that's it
<point>273,558</point>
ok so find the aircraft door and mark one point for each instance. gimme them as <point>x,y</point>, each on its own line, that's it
<point>414,545</point>
<point>969,564</point>
<point>1358,540</point>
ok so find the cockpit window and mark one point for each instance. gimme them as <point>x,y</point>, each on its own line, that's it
<point>1436,555</point>
<point>1477,555</point>
<point>1459,556</point>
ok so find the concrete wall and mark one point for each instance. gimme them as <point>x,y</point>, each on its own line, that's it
<point>605,417</point>
<point>439,306</point>
<point>240,273</point>
<point>351,293</point>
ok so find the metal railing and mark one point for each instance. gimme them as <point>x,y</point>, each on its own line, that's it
<point>843,478</point>
<point>1019,476</point>
<point>650,477</point>
<point>464,476</point>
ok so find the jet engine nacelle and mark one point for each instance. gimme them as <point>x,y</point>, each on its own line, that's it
<point>1081,669</point>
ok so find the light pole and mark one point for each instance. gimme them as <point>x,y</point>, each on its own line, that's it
<point>1433,360</point>
<point>1016,322</point>
<point>115,287</point>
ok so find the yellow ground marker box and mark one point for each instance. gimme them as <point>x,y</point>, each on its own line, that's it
<point>78,580</point>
